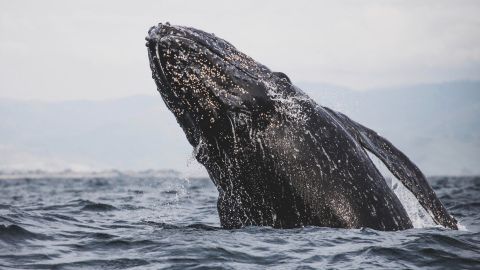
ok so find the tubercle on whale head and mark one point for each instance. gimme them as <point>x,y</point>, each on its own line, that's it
<point>203,78</point>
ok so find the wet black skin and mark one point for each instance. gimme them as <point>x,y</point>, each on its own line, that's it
<point>276,157</point>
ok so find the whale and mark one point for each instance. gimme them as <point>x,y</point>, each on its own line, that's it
<point>277,157</point>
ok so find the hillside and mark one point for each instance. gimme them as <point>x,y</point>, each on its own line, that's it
<point>437,126</point>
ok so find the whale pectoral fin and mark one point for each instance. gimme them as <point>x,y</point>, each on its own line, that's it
<point>400,166</point>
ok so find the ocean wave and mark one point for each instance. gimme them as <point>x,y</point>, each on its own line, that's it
<point>128,222</point>
<point>196,226</point>
<point>12,233</point>
<point>99,207</point>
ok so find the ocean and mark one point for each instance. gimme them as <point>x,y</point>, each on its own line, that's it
<point>161,220</point>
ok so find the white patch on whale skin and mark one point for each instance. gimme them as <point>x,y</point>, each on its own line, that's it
<point>415,211</point>
<point>417,214</point>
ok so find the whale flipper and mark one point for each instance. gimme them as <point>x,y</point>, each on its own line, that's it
<point>400,166</point>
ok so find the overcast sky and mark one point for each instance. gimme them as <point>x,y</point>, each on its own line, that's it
<point>56,50</point>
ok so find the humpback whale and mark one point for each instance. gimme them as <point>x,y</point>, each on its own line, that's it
<point>277,157</point>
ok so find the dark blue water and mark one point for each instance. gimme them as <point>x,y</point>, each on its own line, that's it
<point>162,221</point>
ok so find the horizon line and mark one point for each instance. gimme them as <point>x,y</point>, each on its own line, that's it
<point>300,83</point>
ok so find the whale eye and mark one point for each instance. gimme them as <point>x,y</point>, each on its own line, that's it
<point>283,76</point>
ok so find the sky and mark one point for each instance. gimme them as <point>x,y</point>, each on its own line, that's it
<point>62,50</point>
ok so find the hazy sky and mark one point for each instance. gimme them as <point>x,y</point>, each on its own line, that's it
<point>57,50</point>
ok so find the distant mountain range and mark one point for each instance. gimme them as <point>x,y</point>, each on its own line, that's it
<point>436,125</point>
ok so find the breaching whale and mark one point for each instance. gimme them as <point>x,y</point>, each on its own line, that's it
<point>276,157</point>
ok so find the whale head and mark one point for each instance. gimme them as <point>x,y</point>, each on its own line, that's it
<point>206,82</point>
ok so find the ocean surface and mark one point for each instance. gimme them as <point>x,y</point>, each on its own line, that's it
<point>160,220</point>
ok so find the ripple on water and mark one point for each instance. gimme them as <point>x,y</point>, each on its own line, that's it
<point>121,263</point>
<point>13,233</point>
<point>98,207</point>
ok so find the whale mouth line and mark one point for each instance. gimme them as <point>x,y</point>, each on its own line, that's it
<point>159,74</point>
